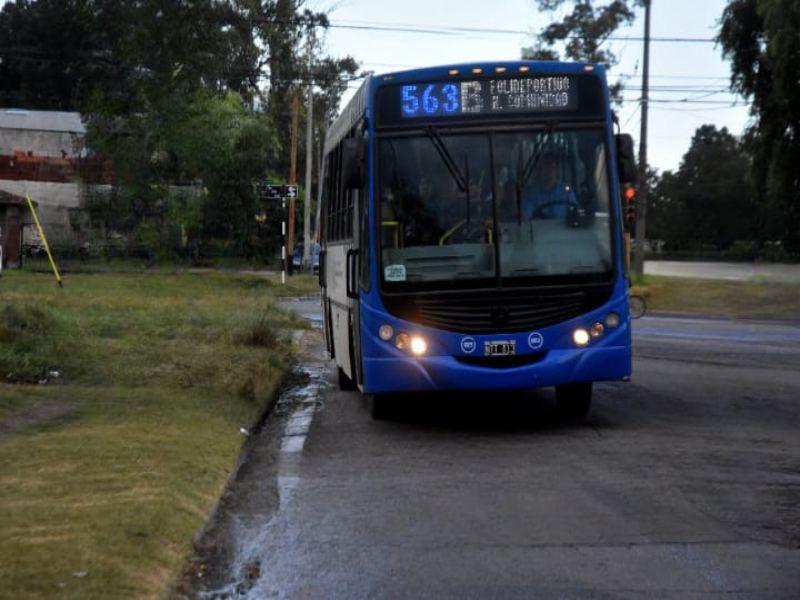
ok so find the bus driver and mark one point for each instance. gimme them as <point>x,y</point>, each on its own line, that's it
<point>549,197</point>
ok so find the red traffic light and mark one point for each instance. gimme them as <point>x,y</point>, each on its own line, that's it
<point>630,193</point>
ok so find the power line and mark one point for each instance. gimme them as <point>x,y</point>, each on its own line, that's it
<point>454,30</point>
<point>637,111</point>
<point>683,101</point>
<point>701,77</point>
<point>685,110</point>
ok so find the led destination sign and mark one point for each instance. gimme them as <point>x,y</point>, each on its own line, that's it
<point>488,96</point>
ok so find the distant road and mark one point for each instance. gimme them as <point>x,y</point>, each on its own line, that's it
<point>724,270</point>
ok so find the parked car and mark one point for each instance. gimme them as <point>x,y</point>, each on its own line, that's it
<point>315,248</point>
<point>297,257</point>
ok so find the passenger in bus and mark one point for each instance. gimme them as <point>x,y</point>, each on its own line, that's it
<point>390,218</point>
<point>420,214</point>
<point>507,208</point>
<point>550,196</point>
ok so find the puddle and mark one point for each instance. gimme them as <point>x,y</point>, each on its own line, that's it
<point>314,318</point>
<point>265,485</point>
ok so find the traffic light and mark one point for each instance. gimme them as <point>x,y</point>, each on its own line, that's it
<point>629,193</point>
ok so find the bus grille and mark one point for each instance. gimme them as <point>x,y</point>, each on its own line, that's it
<point>493,313</point>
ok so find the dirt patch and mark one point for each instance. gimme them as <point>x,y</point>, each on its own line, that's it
<point>34,415</point>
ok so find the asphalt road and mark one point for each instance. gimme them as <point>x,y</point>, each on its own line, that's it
<point>738,271</point>
<point>684,483</point>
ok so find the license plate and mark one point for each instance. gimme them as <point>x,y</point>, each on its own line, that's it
<point>500,348</point>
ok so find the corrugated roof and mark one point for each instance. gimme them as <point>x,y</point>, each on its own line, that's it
<point>41,120</point>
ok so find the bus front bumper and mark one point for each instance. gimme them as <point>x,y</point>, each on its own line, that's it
<point>431,373</point>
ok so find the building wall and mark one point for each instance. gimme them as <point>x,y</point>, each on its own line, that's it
<point>43,163</point>
<point>54,203</point>
<point>61,144</point>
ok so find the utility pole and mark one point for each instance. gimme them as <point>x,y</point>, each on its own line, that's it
<point>641,200</point>
<point>309,159</point>
<point>320,182</point>
<point>293,172</point>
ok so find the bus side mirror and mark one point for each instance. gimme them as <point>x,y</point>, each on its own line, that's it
<point>626,162</point>
<point>353,155</point>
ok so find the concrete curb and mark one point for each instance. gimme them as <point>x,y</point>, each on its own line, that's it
<point>174,589</point>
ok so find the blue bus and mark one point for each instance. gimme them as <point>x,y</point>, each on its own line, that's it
<point>472,233</point>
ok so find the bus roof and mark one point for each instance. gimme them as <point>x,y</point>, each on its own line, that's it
<point>351,115</point>
<point>507,67</point>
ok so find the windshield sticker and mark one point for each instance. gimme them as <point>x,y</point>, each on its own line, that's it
<point>394,272</point>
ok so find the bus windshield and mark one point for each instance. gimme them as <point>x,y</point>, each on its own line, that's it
<point>500,205</point>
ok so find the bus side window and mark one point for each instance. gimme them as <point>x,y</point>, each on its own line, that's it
<point>324,199</point>
<point>337,194</point>
<point>352,198</point>
<point>331,168</point>
<point>363,234</point>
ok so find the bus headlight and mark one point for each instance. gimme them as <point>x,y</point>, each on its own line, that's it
<point>418,345</point>
<point>612,320</point>
<point>597,329</point>
<point>580,336</point>
<point>385,332</point>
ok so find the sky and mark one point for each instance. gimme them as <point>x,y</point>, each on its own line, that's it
<point>691,71</point>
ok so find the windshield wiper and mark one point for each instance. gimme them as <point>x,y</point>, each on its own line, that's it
<point>461,179</point>
<point>537,153</point>
<point>447,159</point>
<point>524,172</point>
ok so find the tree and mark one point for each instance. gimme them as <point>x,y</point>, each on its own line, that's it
<point>760,38</point>
<point>226,147</point>
<point>63,54</point>
<point>583,31</point>
<point>168,92</point>
<point>709,200</point>
<point>282,28</point>
<point>45,50</point>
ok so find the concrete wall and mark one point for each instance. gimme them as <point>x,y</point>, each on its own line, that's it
<point>46,171</point>
<point>61,144</point>
<point>54,202</point>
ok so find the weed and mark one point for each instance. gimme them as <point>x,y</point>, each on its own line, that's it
<point>260,331</point>
<point>31,342</point>
<point>22,319</point>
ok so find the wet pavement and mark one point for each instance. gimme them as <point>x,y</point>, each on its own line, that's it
<point>230,551</point>
<point>684,483</point>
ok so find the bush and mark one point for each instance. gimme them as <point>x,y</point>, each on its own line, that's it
<point>22,320</point>
<point>741,250</point>
<point>28,349</point>
<point>260,332</point>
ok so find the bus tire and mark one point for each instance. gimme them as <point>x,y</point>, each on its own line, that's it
<point>378,405</point>
<point>345,383</point>
<point>574,399</point>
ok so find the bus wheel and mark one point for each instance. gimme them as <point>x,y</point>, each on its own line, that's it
<point>574,399</point>
<point>378,405</point>
<point>345,383</point>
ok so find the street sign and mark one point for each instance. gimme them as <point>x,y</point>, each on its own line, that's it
<point>269,191</point>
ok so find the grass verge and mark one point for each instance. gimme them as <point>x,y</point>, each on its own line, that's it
<point>734,299</point>
<point>150,378</point>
